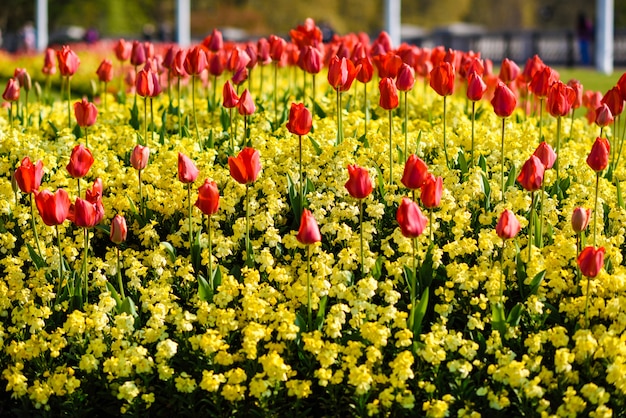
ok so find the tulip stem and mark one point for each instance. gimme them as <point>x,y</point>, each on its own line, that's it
<point>430,223</point>
<point>180,122</point>
<point>301,173</point>
<point>339,119</point>
<point>313,94</point>
<point>540,119</point>
<point>151,121</point>
<point>502,160</point>
<point>141,208</point>
<point>119,274</point>
<point>69,107</point>
<point>530,224</point>
<point>406,124</point>
<point>60,260</point>
<point>558,146</point>
<point>104,95</point>
<point>502,273</point>
<point>275,96</point>
<point>413,284</point>
<point>190,221</point>
<point>246,137</point>
<point>587,303</point>
<point>361,236</point>
<point>86,137</point>
<point>32,221</point>
<point>145,120</point>
<point>11,115</point>
<point>390,148</point>
<point>309,310</point>
<point>445,145</point>
<point>249,256</point>
<point>232,129</point>
<point>85,254</point>
<point>214,92</point>
<point>541,200</point>
<point>210,275</point>
<point>78,183</point>
<point>578,245</point>
<point>473,123</point>
<point>193,105</point>
<point>595,209</point>
<point>366,110</point>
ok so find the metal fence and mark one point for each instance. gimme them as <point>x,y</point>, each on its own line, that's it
<point>556,47</point>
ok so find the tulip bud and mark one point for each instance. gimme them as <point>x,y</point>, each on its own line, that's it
<point>187,171</point>
<point>388,94</point>
<point>300,120</point>
<point>139,157</point>
<point>105,71</point>
<point>118,229</point>
<point>432,189</point>
<point>406,78</point>
<point>85,112</point>
<point>508,226</point>
<point>246,105</point>
<point>229,95</point>
<point>590,261</point>
<point>68,61</point>
<point>476,87</point>
<point>309,232</point>
<point>12,90</point>
<point>359,185</point>
<point>53,207</point>
<point>503,101</point>
<point>442,79</point>
<point>580,219</point>
<point>411,219</point>
<point>509,71</point>
<point>81,160</point>
<point>246,166</point>
<point>22,76</point>
<point>137,54</point>
<point>546,154</point>
<point>122,50</point>
<point>598,158</point>
<point>49,66</point>
<point>415,172</point>
<point>531,175</point>
<point>28,175</point>
<point>603,116</point>
<point>208,198</point>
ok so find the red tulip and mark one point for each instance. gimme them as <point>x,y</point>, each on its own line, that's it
<point>217,63</point>
<point>542,80</point>
<point>139,157</point>
<point>105,71</point>
<point>246,105</point>
<point>533,65</point>
<point>366,71</point>
<point>406,78</point>
<point>359,184</point>
<point>68,61</point>
<point>122,50</point>
<point>137,54</point>
<point>49,65</point>
<point>144,83</point>
<point>509,71</point>
<point>432,189</point>
<point>238,59</point>
<point>22,76</point>
<point>208,198</point>
<point>387,64</point>
<point>341,73</point>
<point>263,49</point>
<point>508,226</point>
<point>84,214</point>
<point>614,101</point>
<point>215,41</point>
<point>531,175</point>
<point>277,46</point>
<point>156,90</point>
<point>442,79</point>
<point>476,86</point>
<point>118,229</point>
<point>81,160</point>
<point>85,112</point>
<point>94,194</point>
<point>415,172</point>
<point>178,65</point>
<point>388,94</point>
<point>580,219</point>
<point>246,166</point>
<point>546,154</point>
<point>53,207</point>
<point>311,60</point>
<point>603,115</point>
<point>560,99</point>
<point>230,98</point>
<point>578,90</point>
<point>28,175</point>
<point>187,171</point>
<point>12,90</point>
<point>411,219</point>
<point>300,121</point>
<point>590,261</point>
<point>504,100</point>
<point>253,54</point>
<point>309,232</point>
<point>598,158</point>
<point>621,83</point>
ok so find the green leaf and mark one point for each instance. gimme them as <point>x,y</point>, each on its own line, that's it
<point>316,146</point>
<point>318,110</point>
<point>482,163</point>
<point>363,140</point>
<point>409,275</point>
<point>301,323</point>
<point>114,294</point>
<point>170,250</point>
<point>512,176</point>
<point>462,163</point>
<point>35,258</point>
<point>377,271</point>
<point>134,117</point>
<point>536,282</point>
<point>77,131</point>
<point>620,200</point>
<point>55,130</point>
<point>128,306</point>
<point>515,315</point>
<point>486,189</point>
<point>216,277</point>
<point>417,142</point>
<point>204,289</point>
<point>321,313</point>
<point>196,253</point>
<point>420,313</point>
<point>425,274</point>
<point>381,183</point>
<point>497,318</point>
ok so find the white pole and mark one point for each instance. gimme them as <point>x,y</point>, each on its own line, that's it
<point>604,36</point>
<point>393,20</point>
<point>41,8</point>
<point>183,31</point>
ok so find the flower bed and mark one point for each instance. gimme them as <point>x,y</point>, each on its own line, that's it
<point>237,308</point>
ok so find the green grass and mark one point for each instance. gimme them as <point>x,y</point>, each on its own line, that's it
<point>590,78</point>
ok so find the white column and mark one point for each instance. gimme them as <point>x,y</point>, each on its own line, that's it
<point>183,31</point>
<point>41,10</point>
<point>393,20</point>
<point>604,36</point>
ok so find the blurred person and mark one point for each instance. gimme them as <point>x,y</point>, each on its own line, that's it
<point>584,32</point>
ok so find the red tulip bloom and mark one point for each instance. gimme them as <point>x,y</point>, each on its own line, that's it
<point>68,61</point>
<point>387,64</point>
<point>208,198</point>
<point>560,99</point>
<point>603,115</point>
<point>215,41</point>
<point>300,120</point>
<point>359,184</point>
<point>509,71</point>
<point>277,47</point>
<point>310,60</point>
<point>238,59</point>
<point>240,76</point>
<point>580,219</point>
<point>541,81</point>
<point>432,189</point>
<point>137,54</point>
<point>309,232</point>
<point>105,71</point>
<point>246,166</point>
<point>341,73</point>
<point>442,79</point>
<point>388,94</point>
<point>533,65</point>
<point>122,50</point>
<point>230,98</point>
<point>187,170</point>
<point>253,54</point>
<point>22,76</point>
<point>144,83</point>
<point>411,219</point>
<point>263,50</point>
<point>578,90</point>
<point>614,101</point>
<point>86,113</point>
<point>28,175</point>
<point>49,65</point>
<point>476,86</point>
<point>81,160</point>
<point>246,106</point>
<point>508,226</point>
<point>84,214</point>
<point>12,90</point>
<point>546,154</point>
<point>406,78</point>
<point>217,63</point>
<point>178,65</point>
<point>53,207</point>
<point>590,261</point>
<point>119,230</point>
<point>415,172</point>
<point>139,157</point>
<point>504,100</point>
<point>366,71</point>
<point>531,175</point>
<point>598,158</point>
